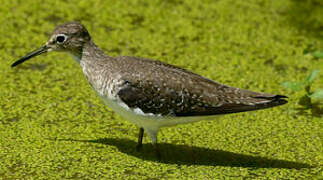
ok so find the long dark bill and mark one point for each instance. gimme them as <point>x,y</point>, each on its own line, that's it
<point>37,52</point>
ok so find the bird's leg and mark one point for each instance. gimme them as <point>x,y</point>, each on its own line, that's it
<point>157,153</point>
<point>140,136</point>
<point>153,137</point>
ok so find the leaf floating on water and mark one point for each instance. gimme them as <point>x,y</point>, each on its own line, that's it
<point>318,54</point>
<point>312,76</point>
<point>295,86</point>
<point>317,94</point>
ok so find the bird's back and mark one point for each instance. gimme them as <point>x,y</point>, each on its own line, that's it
<point>162,89</point>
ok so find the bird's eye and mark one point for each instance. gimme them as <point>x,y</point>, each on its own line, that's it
<point>60,38</point>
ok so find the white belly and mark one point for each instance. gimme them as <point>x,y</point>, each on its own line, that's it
<point>148,120</point>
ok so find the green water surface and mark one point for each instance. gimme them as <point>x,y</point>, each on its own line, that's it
<point>53,126</point>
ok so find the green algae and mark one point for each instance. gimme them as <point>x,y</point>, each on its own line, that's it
<point>53,126</point>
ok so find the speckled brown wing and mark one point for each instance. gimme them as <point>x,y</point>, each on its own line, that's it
<point>159,88</point>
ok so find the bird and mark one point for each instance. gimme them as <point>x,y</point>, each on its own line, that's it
<point>149,93</point>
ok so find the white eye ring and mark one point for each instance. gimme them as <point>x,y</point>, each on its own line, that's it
<point>61,38</point>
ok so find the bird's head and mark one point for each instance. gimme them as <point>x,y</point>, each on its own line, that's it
<point>69,37</point>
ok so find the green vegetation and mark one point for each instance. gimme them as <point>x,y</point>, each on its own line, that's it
<point>307,99</point>
<point>53,126</point>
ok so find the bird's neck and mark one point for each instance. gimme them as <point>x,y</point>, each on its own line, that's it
<point>93,63</point>
<point>90,52</point>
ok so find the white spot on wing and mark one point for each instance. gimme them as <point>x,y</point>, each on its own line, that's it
<point>123,105</point>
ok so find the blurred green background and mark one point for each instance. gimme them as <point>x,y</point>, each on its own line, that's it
<point>53,126</point>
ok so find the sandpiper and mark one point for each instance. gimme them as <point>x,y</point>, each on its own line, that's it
<point>150,93</point>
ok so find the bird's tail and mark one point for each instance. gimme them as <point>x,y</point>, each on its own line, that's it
<point>260,101</point>
<point>270,101</point>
